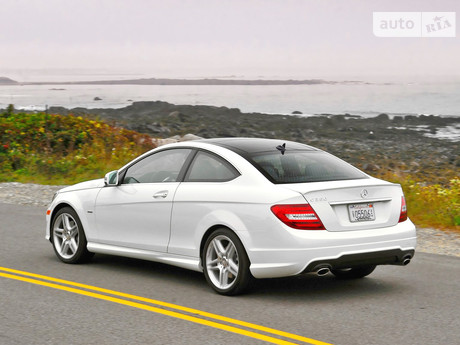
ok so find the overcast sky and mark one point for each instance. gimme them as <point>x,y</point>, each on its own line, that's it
<point>184,38</point>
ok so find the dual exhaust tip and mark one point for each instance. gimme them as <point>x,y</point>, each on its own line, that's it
<point>406,260</point>
<point>322,270</point>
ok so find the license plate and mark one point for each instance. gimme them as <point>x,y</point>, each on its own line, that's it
<point>361,212</point>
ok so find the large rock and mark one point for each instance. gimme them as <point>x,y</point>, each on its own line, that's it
<point>189,137</point>
<point>176,139</point>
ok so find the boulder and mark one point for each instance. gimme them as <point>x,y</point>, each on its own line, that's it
<point>371,135</point>
<point>189,137</point>
<point>369,167</point>
<point>157,128</point>
<point>382,118</point>
<point>161,142</point>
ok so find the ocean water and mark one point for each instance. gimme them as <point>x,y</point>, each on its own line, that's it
<point>368,98</point>
<point>358,99</point>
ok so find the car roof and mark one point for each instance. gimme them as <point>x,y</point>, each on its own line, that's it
<point>249,146</point>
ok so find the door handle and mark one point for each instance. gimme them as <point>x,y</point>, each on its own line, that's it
<point>162,194</point>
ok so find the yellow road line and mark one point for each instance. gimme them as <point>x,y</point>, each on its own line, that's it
<point>150,308</point>
<point>161,311</point>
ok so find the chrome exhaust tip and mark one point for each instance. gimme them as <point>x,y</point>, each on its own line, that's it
<point>322,271</point>
<point>406,260</point>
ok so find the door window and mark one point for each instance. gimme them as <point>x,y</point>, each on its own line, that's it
<point>164,166</point>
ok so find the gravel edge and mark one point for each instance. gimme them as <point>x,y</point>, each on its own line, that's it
<point>429,240</point>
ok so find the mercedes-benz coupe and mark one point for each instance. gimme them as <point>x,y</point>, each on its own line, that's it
<point>237,209</point>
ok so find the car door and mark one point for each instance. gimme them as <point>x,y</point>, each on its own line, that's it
<point>137,212</point>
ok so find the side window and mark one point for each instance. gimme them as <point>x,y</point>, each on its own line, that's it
<point>163,166</point>
<point>208,167</point>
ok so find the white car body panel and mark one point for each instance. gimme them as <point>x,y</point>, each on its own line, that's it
<point>135,215</point>
<point>197,209</point>
<point>331,203</point>
<point>191,263</point>
<point>81,197</point>
<point>128,220</point>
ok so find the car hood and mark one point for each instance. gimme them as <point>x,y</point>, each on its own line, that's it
<point>99,183</point>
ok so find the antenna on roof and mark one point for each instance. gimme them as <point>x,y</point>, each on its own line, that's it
<point>282,148</point>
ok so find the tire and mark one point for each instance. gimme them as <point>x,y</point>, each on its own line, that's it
<point>225,263</point>
<point>353,273</point>
<point>68,237</point>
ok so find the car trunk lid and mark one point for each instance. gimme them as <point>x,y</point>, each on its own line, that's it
<point>353,205</point>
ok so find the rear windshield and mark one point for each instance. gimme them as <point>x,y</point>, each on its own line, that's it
<point>304,166</point>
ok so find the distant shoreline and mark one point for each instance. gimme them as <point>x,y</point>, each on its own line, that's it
<point>160,119</point>
<point>277,95</point>
<point>98,108</point>
<point>172,81</point>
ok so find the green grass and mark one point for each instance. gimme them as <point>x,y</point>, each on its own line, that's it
<point>430,204</point>
<point>433,205</point>
<point>56,149</point>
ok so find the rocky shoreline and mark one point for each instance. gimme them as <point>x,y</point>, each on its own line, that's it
<point>429,240</point>
<point>401,144</point>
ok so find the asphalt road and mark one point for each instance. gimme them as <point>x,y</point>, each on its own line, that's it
<point>417,304</point>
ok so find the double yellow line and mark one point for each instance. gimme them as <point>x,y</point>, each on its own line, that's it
<point>155,306</point>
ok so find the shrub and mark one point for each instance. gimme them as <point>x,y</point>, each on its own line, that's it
<point>45,148</point>
<point>432,205</point>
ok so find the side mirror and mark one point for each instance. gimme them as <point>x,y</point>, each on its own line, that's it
<point>111,178</point>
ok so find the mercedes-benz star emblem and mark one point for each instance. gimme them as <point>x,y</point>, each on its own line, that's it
<point>364,193</point>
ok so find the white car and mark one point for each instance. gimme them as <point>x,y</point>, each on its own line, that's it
<point>237,208</point>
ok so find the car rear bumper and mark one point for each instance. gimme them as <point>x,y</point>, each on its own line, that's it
<point>393,246</point>
<point>385,257</point>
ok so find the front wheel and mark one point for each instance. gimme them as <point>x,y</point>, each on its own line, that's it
<point>353,273</point>
<point>225,263</point>
<point>69,240</point>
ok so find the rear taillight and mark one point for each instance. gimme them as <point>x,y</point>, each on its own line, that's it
<point>403,214</point>
<point>301,217</point>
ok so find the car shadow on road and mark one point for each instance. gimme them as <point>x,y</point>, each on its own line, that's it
<point>143,268</point>
<point>325,288</point>
<point>291,288</point>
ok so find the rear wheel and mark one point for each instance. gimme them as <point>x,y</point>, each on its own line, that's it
<point>225,263</point>
<point>353,273</point>
<point>69,240</point>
